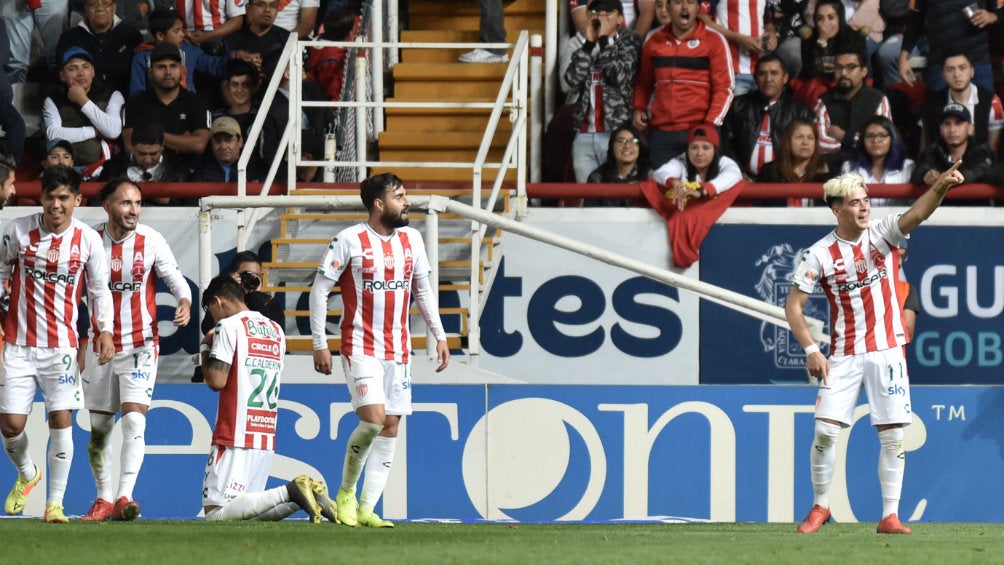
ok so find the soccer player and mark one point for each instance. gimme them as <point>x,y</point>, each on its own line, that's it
<point>856,265</point>
<point>45,256</point>
<point>379,265</point>
<point>135,253</point>
<point>244,364</point>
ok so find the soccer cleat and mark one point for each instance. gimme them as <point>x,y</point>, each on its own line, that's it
<point>301,492</point>
<point>483,56</point>
<point>328,507</point>
<point>100,510</point>
<point>16,499</point>
<point>54,513</point>
<point>347,505</point>
<point>815,520</point>
<point>891,525</point>
<point>366,517</point>
<point>125,510</point>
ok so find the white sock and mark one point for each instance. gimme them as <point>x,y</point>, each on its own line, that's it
<point>377,469</point>
<point>356,452</point>
<point>133,449</point>
<point>248,506</point>
<point>280,512</point>
<point>823,459</point>
<point>17,449</point>
<point>60,456</point>
<point>891,464</point>
<point>99,453</point>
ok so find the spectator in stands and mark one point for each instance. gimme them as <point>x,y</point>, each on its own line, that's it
<point>57,152</point>
<point>259,35</point>
<point>602,73</point>
<point>220,163</point>
<point>703,163</point>
<point>842,110</point>
<point>492,30</point>
<point>207,22</point>
<point>108,40</point>
<point>830,35</point>
<point>326,65</point>
<point>84,111</point>
<point>299,17</point>
<point>132,12</point>
<point>749,33</point>
<point>788,17</point>
<point>239,86</point>
<point>956,143</point>
<point>147,162</point>
<point>661,19</point>
<point>315,122</point>
<point>984,106</point>
<point>183,115</point>
<point>6,92</point>
<point>754,124</point>
<point>799,158</point>
<point>639,15</point>
<point>686,74</point>
<point>627,162</point>
<point>950,26</point>
<point>880,158</point>
<point>166,27</point>
<point>12,130</point>
<point>21,20</point>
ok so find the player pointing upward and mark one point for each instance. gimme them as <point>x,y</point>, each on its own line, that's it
<point>379,265</point>
<point>856,266</point>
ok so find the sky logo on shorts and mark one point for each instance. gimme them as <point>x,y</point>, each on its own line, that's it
<point>265,348</point>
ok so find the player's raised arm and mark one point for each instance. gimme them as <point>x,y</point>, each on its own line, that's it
<point>930,200</point>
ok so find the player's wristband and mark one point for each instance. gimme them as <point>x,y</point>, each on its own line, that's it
<point>204,348</point>
<point>811,349</point>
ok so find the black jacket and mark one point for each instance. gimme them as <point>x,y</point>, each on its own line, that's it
<point>976,161</point>
<point>742,124</point>
<point>934,103</point>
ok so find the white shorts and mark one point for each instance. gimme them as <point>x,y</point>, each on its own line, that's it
<point>883,376</point>
<point>234,471</point>
<point>54,369</point>
<point>129,377</point>
<point>376,381</point>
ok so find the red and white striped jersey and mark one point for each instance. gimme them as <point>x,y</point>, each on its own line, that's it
<point>207,15</point>
<point>254,346</point>
<point>858,278</point>
<point>375,274</point>
<point>288,16</point>
<point>45,271</point>
<point>132,263</point>
<point>744,17</point>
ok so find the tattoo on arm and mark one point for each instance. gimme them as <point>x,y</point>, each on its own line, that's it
<point>217,365</point>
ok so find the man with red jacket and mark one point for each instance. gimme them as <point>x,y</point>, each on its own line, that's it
<point>686,73</point>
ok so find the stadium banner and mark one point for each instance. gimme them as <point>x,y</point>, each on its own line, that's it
<point>591,453</point>
<point>959,334</point>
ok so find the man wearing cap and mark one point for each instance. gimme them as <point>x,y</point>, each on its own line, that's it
<point>86,112</point>
<point>984,106</point>
<point>956,143</point>
<point>601,74</point>
<point>57,152</point>
<point>842,110</point>
<point>220,163</point>
<point>110,41</point>
<point>184,115</point>
<point>686,74</point>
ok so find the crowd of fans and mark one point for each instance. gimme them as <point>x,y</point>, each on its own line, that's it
<point>788,91</point>
<point>161,90</point>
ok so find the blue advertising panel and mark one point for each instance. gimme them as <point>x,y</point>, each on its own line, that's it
<point>596,453</point>
<point>960,283</point>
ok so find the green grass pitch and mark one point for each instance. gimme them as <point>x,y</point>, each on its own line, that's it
<point>149,542</point>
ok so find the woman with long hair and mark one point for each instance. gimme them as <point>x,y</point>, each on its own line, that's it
<point>820,44</point>
<point>880,157</point>
<point>627,162</point>
<point>798,158</point>
<point>702,172</point>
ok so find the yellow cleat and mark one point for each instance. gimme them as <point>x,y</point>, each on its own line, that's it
<point>366,517</point>
<point>328,507</point>
<point>16,499</point>
<point>54,513</point>
<point>347,505</point>
<point>300,492</point>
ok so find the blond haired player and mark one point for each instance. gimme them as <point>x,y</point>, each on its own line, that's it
<point>45,257</point>
<point>137,254</point>
<point>856,265</point>
<point>379,265</point>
